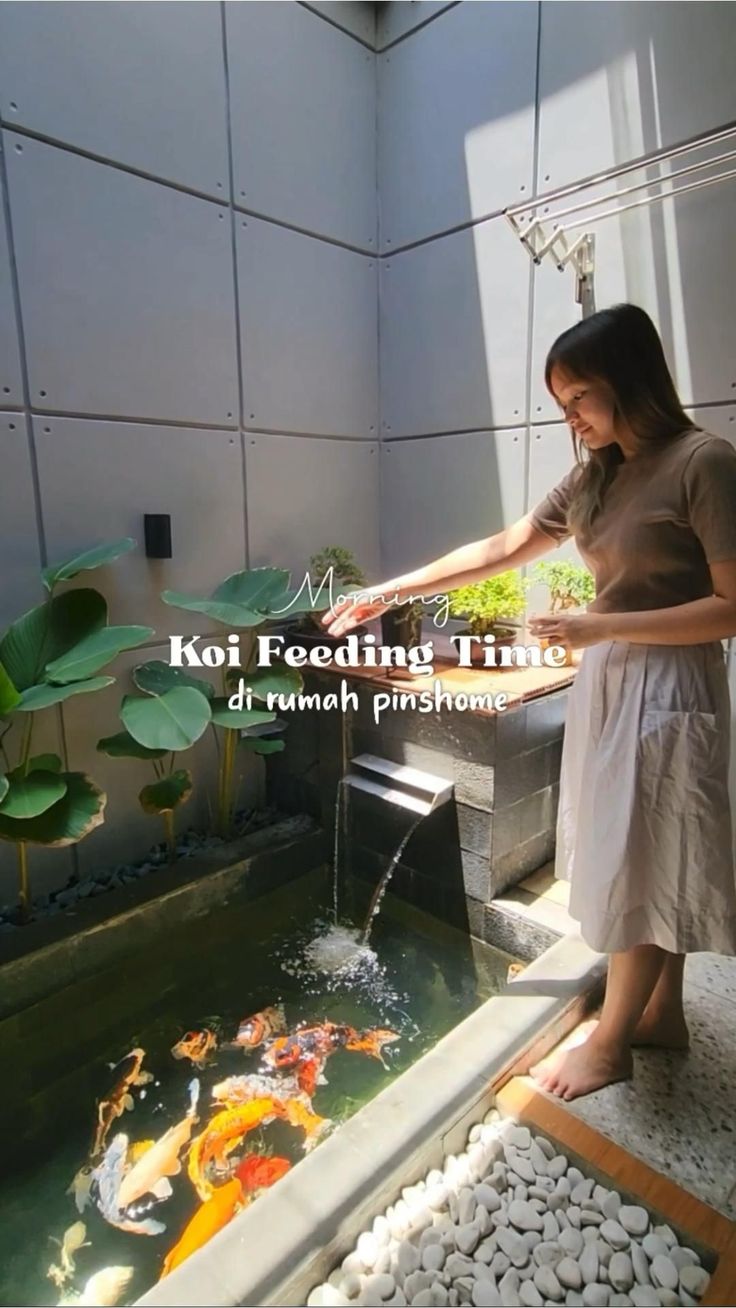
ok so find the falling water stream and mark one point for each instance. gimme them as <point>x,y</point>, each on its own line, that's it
<point>382,886</point>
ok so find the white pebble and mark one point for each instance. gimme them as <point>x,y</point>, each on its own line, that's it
<point>351,1285</point>
<point>433,1258</point>
<point>458,1265</point>
<point>634,1219</point>
<point>621,1272</point>
<point>683,1257</point>
<point>467,1237</point>
<point>619,1301</point>
<point>550,1229</point>
<point>663,1272</point>
<point>465,1205</point>
<point>407,1258</point>
<point>614,1233</point>
<point>557,1166</point>
<point>474,1133</point>
<point>524,1217</point>
<point>547,1253</point>
<point>596,1295</point>
<point>545,1145</point>
<point>694,1280</point>
<point>574,1174</point>
<point>547,1283</point>
<point>529,1294</point>
<point>568,1274</point>
<point>485,1295</point>
<point>381,1229</point>
<point>572,1242</point>
<point>611,1204</point>
<point>643,1296</point>
<point>537,1159</point>
<point>417,1282</point>
<point>653,1244</point>
<point>380,1287</point>
<point>668,1298</point>
<point>640,1264</point>
<point>583,1190</point>
<point>519,1137</point>
<point>667,1234</point>
<point>326,1296</point>
<point>588,1263</point>
<point>488,1196</point>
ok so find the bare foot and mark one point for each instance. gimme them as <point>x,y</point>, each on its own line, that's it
<point>585,1068</point>
<point>668,1031</point>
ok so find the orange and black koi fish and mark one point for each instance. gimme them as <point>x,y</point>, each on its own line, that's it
<point>209,1218</point>
<point>318,1042</point>
<point>258,1173</point>
<point>119,1097</point>
<point>226,1129</point>
<point>256,1030</point>
<point>197,1046</point>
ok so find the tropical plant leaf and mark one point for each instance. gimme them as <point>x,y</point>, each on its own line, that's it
<point>165,795</point>
<point>4,786</point>
<point>268,681</point>
<point>123,745</point>
<point>71,818</point>
<point>39,763</point>
<point>156,677</point>
<point>9,696</point>
<point>256,745</point>
<point>31,795</point>
<point>94,652</point>
<point>223,716</point>
<point>40,697</point>
<point>172,721</point>
<point>48,631</point>
<point>243,599</point>
<point>94,558</point>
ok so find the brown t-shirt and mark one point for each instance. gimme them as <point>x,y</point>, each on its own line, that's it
<point>665,517</point>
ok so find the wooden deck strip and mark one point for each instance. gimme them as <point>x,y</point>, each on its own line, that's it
<point>683,1211</point>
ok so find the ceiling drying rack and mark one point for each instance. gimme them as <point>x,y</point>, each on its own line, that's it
<point>546,236</point>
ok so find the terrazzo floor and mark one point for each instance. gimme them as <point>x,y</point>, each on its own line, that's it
<point>678,1113</point>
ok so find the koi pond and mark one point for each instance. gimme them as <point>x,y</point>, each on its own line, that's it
<point>128,1156</point>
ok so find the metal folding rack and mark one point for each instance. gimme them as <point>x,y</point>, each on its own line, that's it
<point>547,236</point>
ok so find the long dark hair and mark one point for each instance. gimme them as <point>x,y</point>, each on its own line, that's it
<point>620,346</point>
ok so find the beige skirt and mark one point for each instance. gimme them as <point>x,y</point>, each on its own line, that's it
<point>644,826</point>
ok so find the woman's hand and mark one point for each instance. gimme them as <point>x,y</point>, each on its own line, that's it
<point>351,612</point>
<point>575,630</point>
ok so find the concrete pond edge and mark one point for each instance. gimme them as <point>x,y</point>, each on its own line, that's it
<point>277,1250</point>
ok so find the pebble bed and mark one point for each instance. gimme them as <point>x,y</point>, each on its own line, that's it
<point>511,1221</point>
<point>122,874</point>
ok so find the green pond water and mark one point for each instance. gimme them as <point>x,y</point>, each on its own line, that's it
<point>419,979</point>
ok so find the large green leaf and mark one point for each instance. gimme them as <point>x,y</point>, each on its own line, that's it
<point>31,795</point>
<point>9,696</point>
<point>242,600</point>
<point>40,697</point>
<point>48,631</point>
<point>164,796</point>
<point>267,681</point>
<point>122,745</point>
<point>257,746</point>
<point>4,786</point>
<point>223,716</point>
<point>172,721</point>
<point>39,763</point>
<point>94,652</point>
<point>94,558</point>
<point>71,818</point>
<point>156,677</point>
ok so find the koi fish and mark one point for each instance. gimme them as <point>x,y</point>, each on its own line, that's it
<point>161,1160</point>
<point>106,1286</point>
<point>197,1046</point>
<point>514,969</point>
<point>79,1188</point>
<point>226,1130</point>
<point>210,1218</point>
<point>119,1098</point>
<point>321,1041</point>
<point>236,1090</point>
<point>258,1173</point>
<point>256,1030</point>
<point>106,1181</point>
<point>73,1240</point>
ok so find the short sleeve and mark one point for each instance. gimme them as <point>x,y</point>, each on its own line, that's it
<point>710,495</point>
<point>550,514</point>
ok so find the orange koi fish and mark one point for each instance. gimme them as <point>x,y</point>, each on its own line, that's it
<point>197,1046</point>
<point>236,1090</point>
<point>315,1042</point>
<point>210,1218</point>
<point>256,1030</point>
<point>119,1098</point>
<point>258,1173</point>
<point>161,1160</point>
<point>226,1130</point>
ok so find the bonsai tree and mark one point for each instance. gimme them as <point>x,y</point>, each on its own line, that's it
<point>490,605</point>
<point>46,656</point>
<point>346,576</point>
<point>570,586</point>
<point>176,708</point>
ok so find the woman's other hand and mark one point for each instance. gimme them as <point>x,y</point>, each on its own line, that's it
<point>352,610</point>
<point>574,630</point>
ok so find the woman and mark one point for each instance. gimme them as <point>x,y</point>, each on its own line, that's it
<point>644,829</point>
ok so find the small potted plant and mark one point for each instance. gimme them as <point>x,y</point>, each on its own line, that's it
<point>570,587</point>
<point>346,576</point>
<point>490,607</point>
